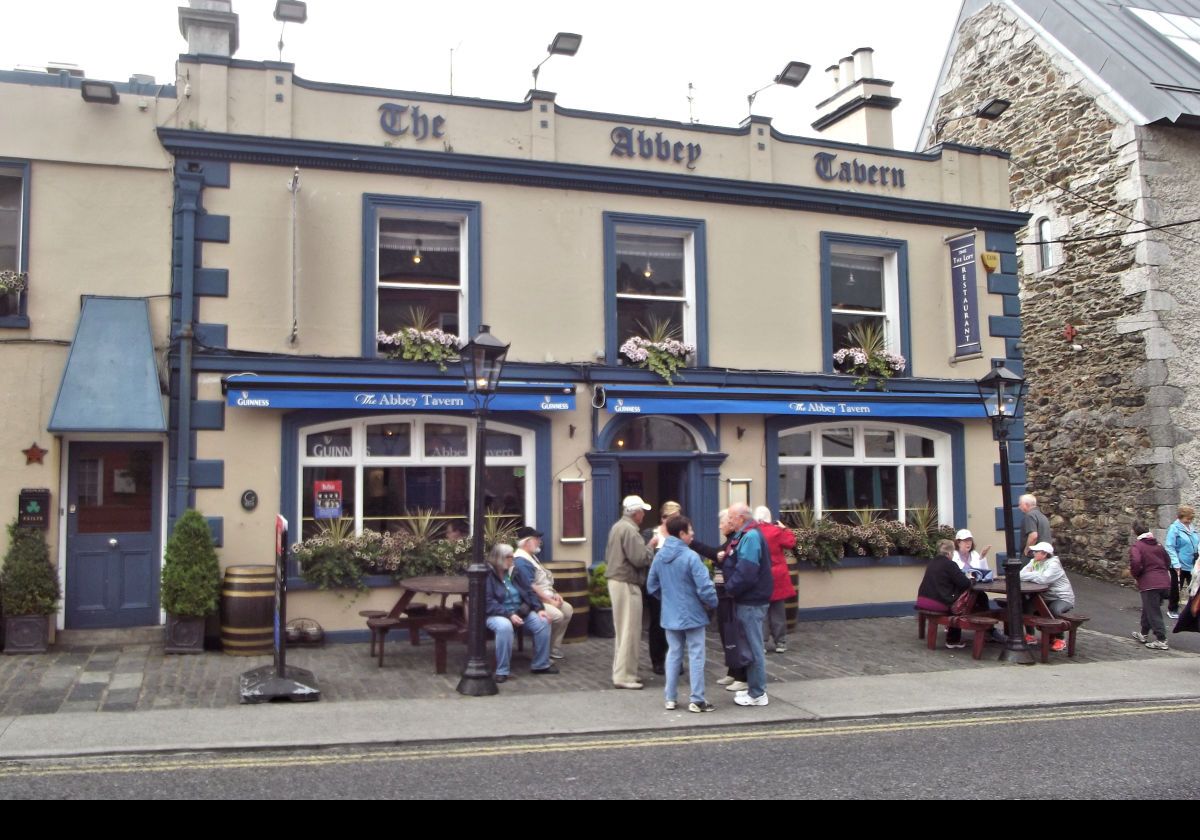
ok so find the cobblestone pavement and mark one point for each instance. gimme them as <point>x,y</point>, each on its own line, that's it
<point>122,678</point>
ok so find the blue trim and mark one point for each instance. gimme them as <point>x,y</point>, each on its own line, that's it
<point>1002,327</point>
<point>429,165</point>
<point>20,320</point>
<point>214,173</point>
<point>1009,263</point>
<point>893,609</point>
<point>63,79</point>
<point>471,213</point>
<point>1012,349</point>
<point>208,415</point>
<point>208,474</point>
<point>697,228</point>
<point>617,425</point>
<point>289,472</point>
<point>999,240</point>
<point>212,282</point>
<point>216,524</point>
<point>1003,284</point>
<point>212,336</point>
<point>775,426</point>
<point>1012,305</point>
<point>1017,472</point>
<point>900,247</point>
<point>212,228</point>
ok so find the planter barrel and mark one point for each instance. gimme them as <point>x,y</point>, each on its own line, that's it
<point>792,605</point>
<point>571,582</point>
<point>600,623</point>
<point>26,634</point>
<point>248,610</point>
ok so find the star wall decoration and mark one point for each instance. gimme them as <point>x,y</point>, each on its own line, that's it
<point>34,454</point>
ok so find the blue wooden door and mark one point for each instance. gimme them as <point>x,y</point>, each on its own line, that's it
<point>114,495</point>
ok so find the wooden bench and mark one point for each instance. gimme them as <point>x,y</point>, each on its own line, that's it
<point>980,624</point>
<point>441,633</point>
<point>1049,628</point>
<point>1075,620</point>
<point>379,627</point>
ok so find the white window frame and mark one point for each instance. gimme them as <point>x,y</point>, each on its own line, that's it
<point>18,173</point>
<point>891,289</point>
<point>688,240</point>
<point>941,459</point>
<point>462,221</point>
<point>358,460</point>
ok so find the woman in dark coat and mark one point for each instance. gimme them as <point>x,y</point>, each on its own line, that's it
<point>940,587</point>
<point>1150,567</point>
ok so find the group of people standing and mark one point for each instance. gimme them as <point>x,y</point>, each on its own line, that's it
<point>1162,571</point>
<point>667,575</point>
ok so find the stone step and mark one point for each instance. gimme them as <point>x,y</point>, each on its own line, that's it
<point>116,636</point>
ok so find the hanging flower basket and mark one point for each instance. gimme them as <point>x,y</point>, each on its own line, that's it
<point>420,341</point>
<point>662,352</point>
<point>13,282</point>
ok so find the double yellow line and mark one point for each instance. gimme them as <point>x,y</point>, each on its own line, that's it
<point>156,764</point>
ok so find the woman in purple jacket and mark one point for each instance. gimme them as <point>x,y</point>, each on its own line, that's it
<point>1149,565</point>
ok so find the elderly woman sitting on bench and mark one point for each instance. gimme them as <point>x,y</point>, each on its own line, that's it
<point>944,581</point>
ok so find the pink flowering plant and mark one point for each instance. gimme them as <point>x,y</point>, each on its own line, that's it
<point>420,341</point>
<point>661,350</point>
<point>869,358</point>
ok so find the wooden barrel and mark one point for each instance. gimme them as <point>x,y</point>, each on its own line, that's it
<point>792,605</point>
<point>248,610</point>
<point>571,582</point>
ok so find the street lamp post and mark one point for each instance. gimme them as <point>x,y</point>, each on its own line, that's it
<point>483,360</point>
<point>1001,391</point>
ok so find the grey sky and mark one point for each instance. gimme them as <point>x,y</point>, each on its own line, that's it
<point>637,58</point>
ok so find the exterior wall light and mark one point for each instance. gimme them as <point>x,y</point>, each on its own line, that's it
<point>564,43</point>
<point>291,11</point>
<point>104,93</point>
<point>791,76</point>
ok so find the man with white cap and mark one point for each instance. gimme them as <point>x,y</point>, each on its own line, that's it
<point>529,543</point>
<point>1047,570</point>
<point>628,559</point>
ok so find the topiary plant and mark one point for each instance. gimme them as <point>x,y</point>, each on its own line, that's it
<point>598,586</point>
<point>29,582</point>
<point>191,577</point>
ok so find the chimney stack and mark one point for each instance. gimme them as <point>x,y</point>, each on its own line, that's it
<point>210,26</point>
<point>860,108</point>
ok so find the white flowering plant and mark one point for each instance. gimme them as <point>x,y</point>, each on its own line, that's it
<point>870,358</point>
<point>12,282</point>
<point>420,341</point>
<point>662,351</point>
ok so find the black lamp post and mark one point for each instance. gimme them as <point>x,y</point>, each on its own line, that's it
<point>1001,391</point>
<point>482,359</point>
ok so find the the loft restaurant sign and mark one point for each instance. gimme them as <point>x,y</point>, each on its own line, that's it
<point>399,120</point>
<point>829,168</point>
<point>630,143</point>
<point>965,296</point>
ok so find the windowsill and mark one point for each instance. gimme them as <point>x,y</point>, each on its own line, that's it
<point>14,322</point>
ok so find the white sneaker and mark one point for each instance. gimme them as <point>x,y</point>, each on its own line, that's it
<point>1155,645</point>
<point>725,680</point>
<point>669,705</point>
<point>1141,637</point>
<point>737,685</point>
<point>744,699</point>
<point>1172,615</point>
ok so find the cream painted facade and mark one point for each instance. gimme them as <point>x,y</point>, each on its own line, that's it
<point>283,284</point>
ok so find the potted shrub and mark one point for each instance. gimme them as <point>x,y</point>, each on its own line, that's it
<point>600,617</point>
<point>191,583</point>
<point>29,583</point>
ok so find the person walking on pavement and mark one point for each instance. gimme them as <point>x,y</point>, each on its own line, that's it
<point>1148,563</point>
<point>750,585</point>
<point>657,636</point>
<point>1182,545</point>
<point>1035,527</point>
<point>778,537</point>
<point>678,578</point>
<point>529,544</point>
<point>628,558</point>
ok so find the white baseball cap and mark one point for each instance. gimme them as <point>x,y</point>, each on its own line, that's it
<point>634,502</point>
<point>1042,546</point>
<point>964,534</point>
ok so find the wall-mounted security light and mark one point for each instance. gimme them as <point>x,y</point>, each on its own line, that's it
<point>564,43</point>
<point>291,11</point>
<point>989,110</point>
<point>791,76</point>
<point>104,93</point>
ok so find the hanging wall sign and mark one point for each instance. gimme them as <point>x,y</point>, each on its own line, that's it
<point>965,296</point>
<point>327,499</point>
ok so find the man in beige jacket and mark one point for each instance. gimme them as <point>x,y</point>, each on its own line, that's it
<point>628,559</point>
<point>529,543</point>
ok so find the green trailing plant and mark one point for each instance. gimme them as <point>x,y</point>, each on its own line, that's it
<point>191,576</point>
<point>419,340</point>
<point>825,543</point>
<point>598,586</point>
<point>661,349</point>
<point>28,581</point>
<point>868,358</point>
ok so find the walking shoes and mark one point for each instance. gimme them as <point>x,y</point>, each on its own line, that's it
<point>743,698</point>
<point>737,685</point>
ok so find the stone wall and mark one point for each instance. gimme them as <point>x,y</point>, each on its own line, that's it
<point>1090,455</point>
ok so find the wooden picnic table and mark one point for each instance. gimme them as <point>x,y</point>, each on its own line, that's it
<point>444,585</point>
<point>1033,590</point>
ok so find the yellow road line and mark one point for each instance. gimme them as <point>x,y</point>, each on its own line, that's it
<point>153,764</point>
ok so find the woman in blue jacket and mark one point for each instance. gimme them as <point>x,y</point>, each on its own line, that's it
<point>511,603</point>
<point>1181,545</point>
<point>679,579</point>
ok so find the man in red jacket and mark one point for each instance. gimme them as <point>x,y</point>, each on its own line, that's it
<point>778,537</point>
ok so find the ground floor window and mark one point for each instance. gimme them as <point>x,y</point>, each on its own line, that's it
<point>386,473</point>
<point>849,471</point>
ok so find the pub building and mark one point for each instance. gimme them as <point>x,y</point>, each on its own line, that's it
<point>215,268</point>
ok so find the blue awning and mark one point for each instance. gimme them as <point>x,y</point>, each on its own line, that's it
<point>857,405</point>
<point>249,390</point>
<point>111,381</point>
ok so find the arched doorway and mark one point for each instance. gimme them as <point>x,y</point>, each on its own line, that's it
<point>660,458</point>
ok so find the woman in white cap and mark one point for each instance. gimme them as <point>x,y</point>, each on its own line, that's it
<point>1047,570</point>
<point>973,563</point>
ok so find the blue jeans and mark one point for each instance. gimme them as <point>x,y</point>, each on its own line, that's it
<point>503,628</point>
<point>693,639</point>
<point>751,618</point>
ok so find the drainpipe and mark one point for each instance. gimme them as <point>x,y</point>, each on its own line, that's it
<point>187,204</point>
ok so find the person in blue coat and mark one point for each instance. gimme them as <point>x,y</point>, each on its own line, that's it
<point>680,580</point>
<point>1182,545</point>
